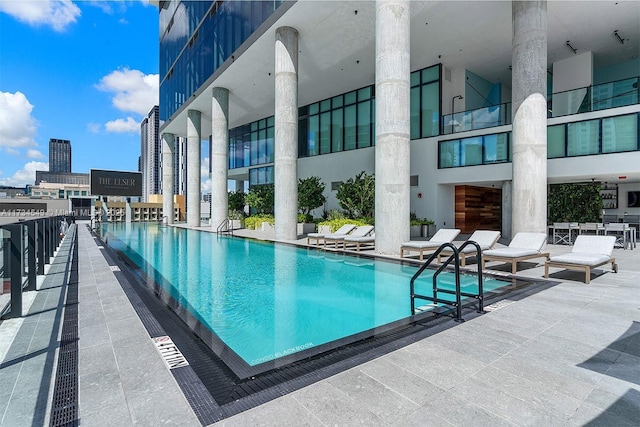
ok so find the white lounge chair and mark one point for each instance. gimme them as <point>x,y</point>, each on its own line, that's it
<point>523,246</point>
<point>444,235</point>
<point>360,231</point>
<point>486,239</point>
<point>587,252</point>
<point>319,237</point>
<point>368,241</point>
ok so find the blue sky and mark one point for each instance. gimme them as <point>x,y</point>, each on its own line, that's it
<point>86,71</point>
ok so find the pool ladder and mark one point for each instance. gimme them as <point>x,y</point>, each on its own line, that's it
<point>457,304</point>
<point>225,227</point>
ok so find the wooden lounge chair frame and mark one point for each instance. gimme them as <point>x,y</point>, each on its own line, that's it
<point>584,267</point>
<point>513,260</point>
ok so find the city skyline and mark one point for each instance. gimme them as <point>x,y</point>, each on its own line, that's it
<point>92,78</point>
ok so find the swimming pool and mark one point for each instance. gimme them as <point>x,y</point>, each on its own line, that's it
<point>260,305</point>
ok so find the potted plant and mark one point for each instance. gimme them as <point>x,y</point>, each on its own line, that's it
<point>236,219</point>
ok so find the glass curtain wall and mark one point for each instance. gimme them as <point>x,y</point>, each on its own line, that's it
<point>341,123</point>
<point>599,136</point>
<point>196,37</point>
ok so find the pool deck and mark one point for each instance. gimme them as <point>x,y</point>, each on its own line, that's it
<point>568,355</point>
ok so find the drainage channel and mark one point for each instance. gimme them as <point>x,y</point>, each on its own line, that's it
<point>64,410</point>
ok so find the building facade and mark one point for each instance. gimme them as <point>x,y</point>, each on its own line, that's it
<point>438,99</point>
<point>59,155</point>
<point>150,154</point>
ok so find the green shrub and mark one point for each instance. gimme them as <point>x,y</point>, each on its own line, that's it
<point>261,198</point>
<point>236,200</point>
<point>310,194</point>
<point>337,223</point>
<point>357,195</point>
<point>306,218</point>
<point>254,222</point>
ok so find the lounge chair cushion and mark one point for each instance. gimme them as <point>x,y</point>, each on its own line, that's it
<point>361,239</point>
<point>422,244</point>
<point>486,239</point>
<point>599,245</point>
<point>510,252</point>
<point>524,240</point>
<point>345,229</point>
<point>361,231</point>
<point>581,259</point>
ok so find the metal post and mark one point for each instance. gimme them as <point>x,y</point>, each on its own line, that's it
<point>31,256</point>
<point>15,269</point>
<point>40,243</point>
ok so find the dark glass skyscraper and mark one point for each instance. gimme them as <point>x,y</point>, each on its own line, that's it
<point>59,155</point>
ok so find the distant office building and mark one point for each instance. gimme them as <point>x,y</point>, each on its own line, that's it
<point>180,165</point>
<point>150,150</point>
<point>59,155</point>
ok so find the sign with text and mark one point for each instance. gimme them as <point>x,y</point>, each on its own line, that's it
<point>115,183</point>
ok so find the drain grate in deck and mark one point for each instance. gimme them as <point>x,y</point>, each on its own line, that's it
<point>64,411</point>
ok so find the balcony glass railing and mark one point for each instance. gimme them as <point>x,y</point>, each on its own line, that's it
<point>481,118</point>
<point>593,98</point>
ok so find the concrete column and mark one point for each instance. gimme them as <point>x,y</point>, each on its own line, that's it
<point>105,210</point>
<point>168,141</point>
<point>529,89</point>
<point>194,142</point>
<point>286,134</point>
<point>239,185</point>
<point>392,164</point>
<point>219,155</point>
<point>506,209</point>
<point>127,210</point>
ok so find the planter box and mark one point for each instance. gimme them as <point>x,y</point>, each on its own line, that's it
<point>235,224</point>
<point>306,228</point>
<point>428,230</point>
<point>267,227</point>
<point>415,230</point>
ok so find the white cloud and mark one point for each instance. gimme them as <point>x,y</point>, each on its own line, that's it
<point>17,126</point>
<point>26,175</point>
<point>123,126</point>
<point>58,14</point>
<point>34,154</point>
<point>93,127</point>
<point>205,180</point>
<point>133,90</point>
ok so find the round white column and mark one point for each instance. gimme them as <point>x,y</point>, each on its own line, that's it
<point>392,163</point>
<point>286,134</point>
<point>529,90</point>
<point>194,142</point>
<point>168,141</point>
<point>219,156</point>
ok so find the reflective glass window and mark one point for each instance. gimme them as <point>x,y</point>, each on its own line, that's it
<point>449,154</point>
<point>556,142</point>
<point>314,136</point>
<point>350,127</point>
<point>582,138</point>
<point>325,133</point>
<point>336,130</point>
<point>364,124</point>
<point>620,134</point>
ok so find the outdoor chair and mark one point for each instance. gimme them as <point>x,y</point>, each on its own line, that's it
<point>523,246</point>
<point>319,237</point>
<point>486,239</point>
<point>561,233</point>
<point>587,253</point>
<point>337,238</point>
<point>621,232</point>
<point>444,235</point>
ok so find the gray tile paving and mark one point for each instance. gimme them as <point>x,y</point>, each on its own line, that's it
<point>568,355</point>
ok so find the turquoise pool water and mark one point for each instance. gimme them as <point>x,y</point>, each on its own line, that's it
<point>265,300</point>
